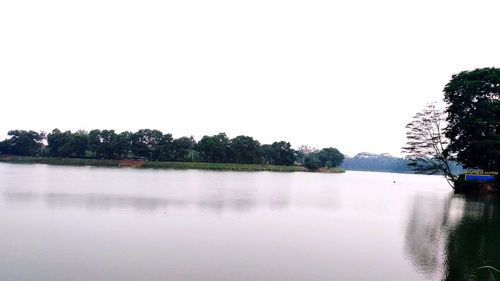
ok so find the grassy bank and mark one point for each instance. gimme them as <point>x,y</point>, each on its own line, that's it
<point>162,165</point>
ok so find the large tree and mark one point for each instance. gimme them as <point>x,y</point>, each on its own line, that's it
<point>312,161</point>
<point>426,143</point>
<point>473,99</point>
<point>330,157</point>
<point>246,150</point>
<point>95,144</point>
<point>327,157</point>
<point>24,143</point>
<point>4,147</point>
<point>67,144</point>
<point>151,144</point>
<point>214,149</point>
<point>107,144</point>
<point>182,149</point>
<point>279,153</point>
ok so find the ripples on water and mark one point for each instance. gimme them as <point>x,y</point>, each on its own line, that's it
<point>82,223</point>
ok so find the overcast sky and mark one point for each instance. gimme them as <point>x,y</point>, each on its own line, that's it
<point>347,74</point>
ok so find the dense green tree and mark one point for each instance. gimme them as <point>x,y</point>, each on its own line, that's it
<point>79,144</point>
<point>246,150</point>
<point>150,144</point>
<point>139,144</point>
<point>473,99</point>
<point>165,148</point>
<point>279,153</point>
<point>107,144</point>
<point>312,162</point>
<point>57,141</point>
<point>108,147</point>
<point>122,145</point>
<point>4,147</point>
<point>145,143</point>
<point>214,148</point>
<point>95,144</point>
<point>67,144</point>
<point>330,157</point>
<point>182,149</point>
<point>267,153</point>
<point>23,143</point>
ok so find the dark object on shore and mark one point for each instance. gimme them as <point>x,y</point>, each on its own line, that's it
<point>476,187</point>
<point>133,163</point>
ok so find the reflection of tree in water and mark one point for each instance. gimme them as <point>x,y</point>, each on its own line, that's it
<point>475,241</point>
<point>425,236</point>
<point>454,236</point>
<point>233,202</point>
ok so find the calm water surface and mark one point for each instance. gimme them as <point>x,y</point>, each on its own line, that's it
<point>83,223</point>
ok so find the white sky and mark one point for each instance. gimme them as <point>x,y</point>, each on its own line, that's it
<point>347,74</point>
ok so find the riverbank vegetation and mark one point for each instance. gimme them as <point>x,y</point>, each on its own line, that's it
<point>467,131</point>
<point>159,150</point>
<point>161,164</point>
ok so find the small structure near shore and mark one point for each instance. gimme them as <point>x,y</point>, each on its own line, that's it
<point>133,163</point>
<point>480,176</point>
<point>477,181</point>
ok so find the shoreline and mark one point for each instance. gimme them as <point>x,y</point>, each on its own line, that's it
<point>161,165</point>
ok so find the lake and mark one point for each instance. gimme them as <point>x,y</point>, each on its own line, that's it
<point>89,223</point>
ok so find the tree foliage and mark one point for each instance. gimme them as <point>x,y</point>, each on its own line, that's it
<point>312,162</point>
<point>183,149</point>
<point>426,143</point>
<point>67,144</point>
<point>473,99</point>
<point>303,151</point>
<point>244,149</point>
<point>330,157</point>
<point>327,157</point>
<point>214,148</point>
<point>279,153</point>
<point>153,145</point>
<point>24,143</point>
<point>107,144</point>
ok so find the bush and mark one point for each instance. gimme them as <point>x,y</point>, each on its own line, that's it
<point>330,157</point>
<point>312,162</point>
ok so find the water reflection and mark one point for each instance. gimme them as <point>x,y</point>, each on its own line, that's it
<point>474,242</point>
<point>126,224</point>
<point>20,196</point>
<point>150,190</point>
<point>425,234</point>
<point>111,201</point>
<point>452,237</point>
<point>107,201</point>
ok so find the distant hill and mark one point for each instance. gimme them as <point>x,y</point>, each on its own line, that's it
<point>384,162</point>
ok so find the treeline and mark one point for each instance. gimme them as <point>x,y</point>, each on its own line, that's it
<point>153,145</point>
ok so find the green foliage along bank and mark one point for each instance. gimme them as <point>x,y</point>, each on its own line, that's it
<point>473,116</point>
<point>157,148</point>
<point>473,130</point>
<point>161,164</point>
